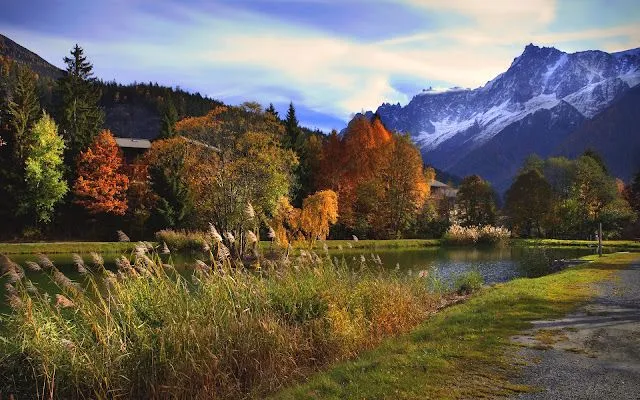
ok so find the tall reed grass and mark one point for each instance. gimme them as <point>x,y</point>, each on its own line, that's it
<point>461,235</point>
<point>146,331</point>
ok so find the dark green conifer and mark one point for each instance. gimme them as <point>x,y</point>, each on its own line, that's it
<point>80,116</point>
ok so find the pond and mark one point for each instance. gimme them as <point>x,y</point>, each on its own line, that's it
<point>447,263</point>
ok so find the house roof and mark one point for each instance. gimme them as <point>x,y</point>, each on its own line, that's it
<point>133,143</point>
<point>435,183</point>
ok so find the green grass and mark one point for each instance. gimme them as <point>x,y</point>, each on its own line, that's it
<point>64,247</point>
<point>614,244</point>
<point>461,352</point>
<point>376,244</point>
<point>109,247</point>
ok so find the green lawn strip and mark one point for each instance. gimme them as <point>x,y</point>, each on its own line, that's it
<point>463,351</point>
<point>614,244</point>
<point>375,244</point>
<point>64,247</point>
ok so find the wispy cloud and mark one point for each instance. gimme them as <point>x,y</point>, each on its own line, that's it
<point>344,57</point>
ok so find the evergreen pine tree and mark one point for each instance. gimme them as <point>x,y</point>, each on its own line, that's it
<point>169,119</point>
<point>24,108</point>
<point>80,116</point>
<point>272,110</point>
<point>292,130</point>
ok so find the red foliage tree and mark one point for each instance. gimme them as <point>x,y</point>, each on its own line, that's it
<point>101,186</point>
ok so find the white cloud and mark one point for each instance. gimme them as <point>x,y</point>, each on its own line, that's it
<point>237,53</point>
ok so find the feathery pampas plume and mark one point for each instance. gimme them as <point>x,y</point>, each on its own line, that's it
<point>251,237</point>
<point>122,237</point>
<point>214,233</point>
<point>33,266</point>
<point>249,211</point>
<point>44,261</point>
<point>79,263</point>
<point>230,237</point>
<point>223,252</point>
<point>165,248</point>
<point>97,259</point>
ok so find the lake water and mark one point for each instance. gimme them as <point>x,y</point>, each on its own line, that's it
<point>447,263</point>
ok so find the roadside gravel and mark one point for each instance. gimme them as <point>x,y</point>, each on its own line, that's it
<point>593,353</point>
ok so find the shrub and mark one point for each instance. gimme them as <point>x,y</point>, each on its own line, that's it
<point>461,235</point>
<point>493,235</point>
<point>182,240</point>
<point>468,283</point>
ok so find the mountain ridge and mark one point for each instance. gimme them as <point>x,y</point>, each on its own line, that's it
<point>451,126</point>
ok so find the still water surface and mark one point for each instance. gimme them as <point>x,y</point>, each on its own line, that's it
<point>494,264</point>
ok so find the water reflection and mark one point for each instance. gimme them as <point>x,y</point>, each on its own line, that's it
<point>494,264</point>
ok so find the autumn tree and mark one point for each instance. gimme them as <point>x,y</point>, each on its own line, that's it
<point>475,202</point>
<point>141,199</point>
<point>596,199</point>
<point>379,177</point>
<point>101,187</point>
<point>528,201</point>
<point>330,169</point>
<point>285,223</point>
<point>249,165</point>
<point>406,186</point>
<point>45,186</point>
<point>365,148</point>
<point>79,115</point>
<point>319,211</point>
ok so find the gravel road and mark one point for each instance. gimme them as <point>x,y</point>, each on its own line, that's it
<point>593,353</point>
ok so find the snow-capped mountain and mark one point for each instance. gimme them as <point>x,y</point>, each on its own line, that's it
<point>544,96</point>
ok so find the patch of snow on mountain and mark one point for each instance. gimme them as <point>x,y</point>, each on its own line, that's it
<point>552,68</point>
<point>632,78</point>
<point>594,97</point>
<point>444,130</point>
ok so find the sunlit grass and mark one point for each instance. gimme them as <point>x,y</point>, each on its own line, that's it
<point>65,247</point>
<point>464,351</point>
<point>146,331</point>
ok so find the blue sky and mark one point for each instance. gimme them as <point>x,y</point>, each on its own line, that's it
<point>332,58</point>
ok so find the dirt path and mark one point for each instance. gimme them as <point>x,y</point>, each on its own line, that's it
<point>593,353</point>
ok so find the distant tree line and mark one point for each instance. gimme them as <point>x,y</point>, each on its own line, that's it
<point>63,175</point>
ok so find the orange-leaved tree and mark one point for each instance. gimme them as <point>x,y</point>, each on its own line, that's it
<point>406,186</point>
<point>101,187</point>
<point>353,165</point>
<point>318,212</point>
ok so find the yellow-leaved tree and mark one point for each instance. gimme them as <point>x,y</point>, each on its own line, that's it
<point>319,211</point>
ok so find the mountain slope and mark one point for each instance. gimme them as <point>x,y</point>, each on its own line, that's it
<point>39,65</point>
<point>532,107</point>
<point>133,110</point>
<point>615,133</point>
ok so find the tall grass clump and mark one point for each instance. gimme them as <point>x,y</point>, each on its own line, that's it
<point>182,240</point>
<point>487,234</point>
<point>146,331</point>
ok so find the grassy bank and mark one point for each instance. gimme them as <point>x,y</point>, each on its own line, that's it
<point>64,247</point>
<point>111,247</point>
<point>611,244</point>
<point>377,244</point>
<point>460,352</point>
